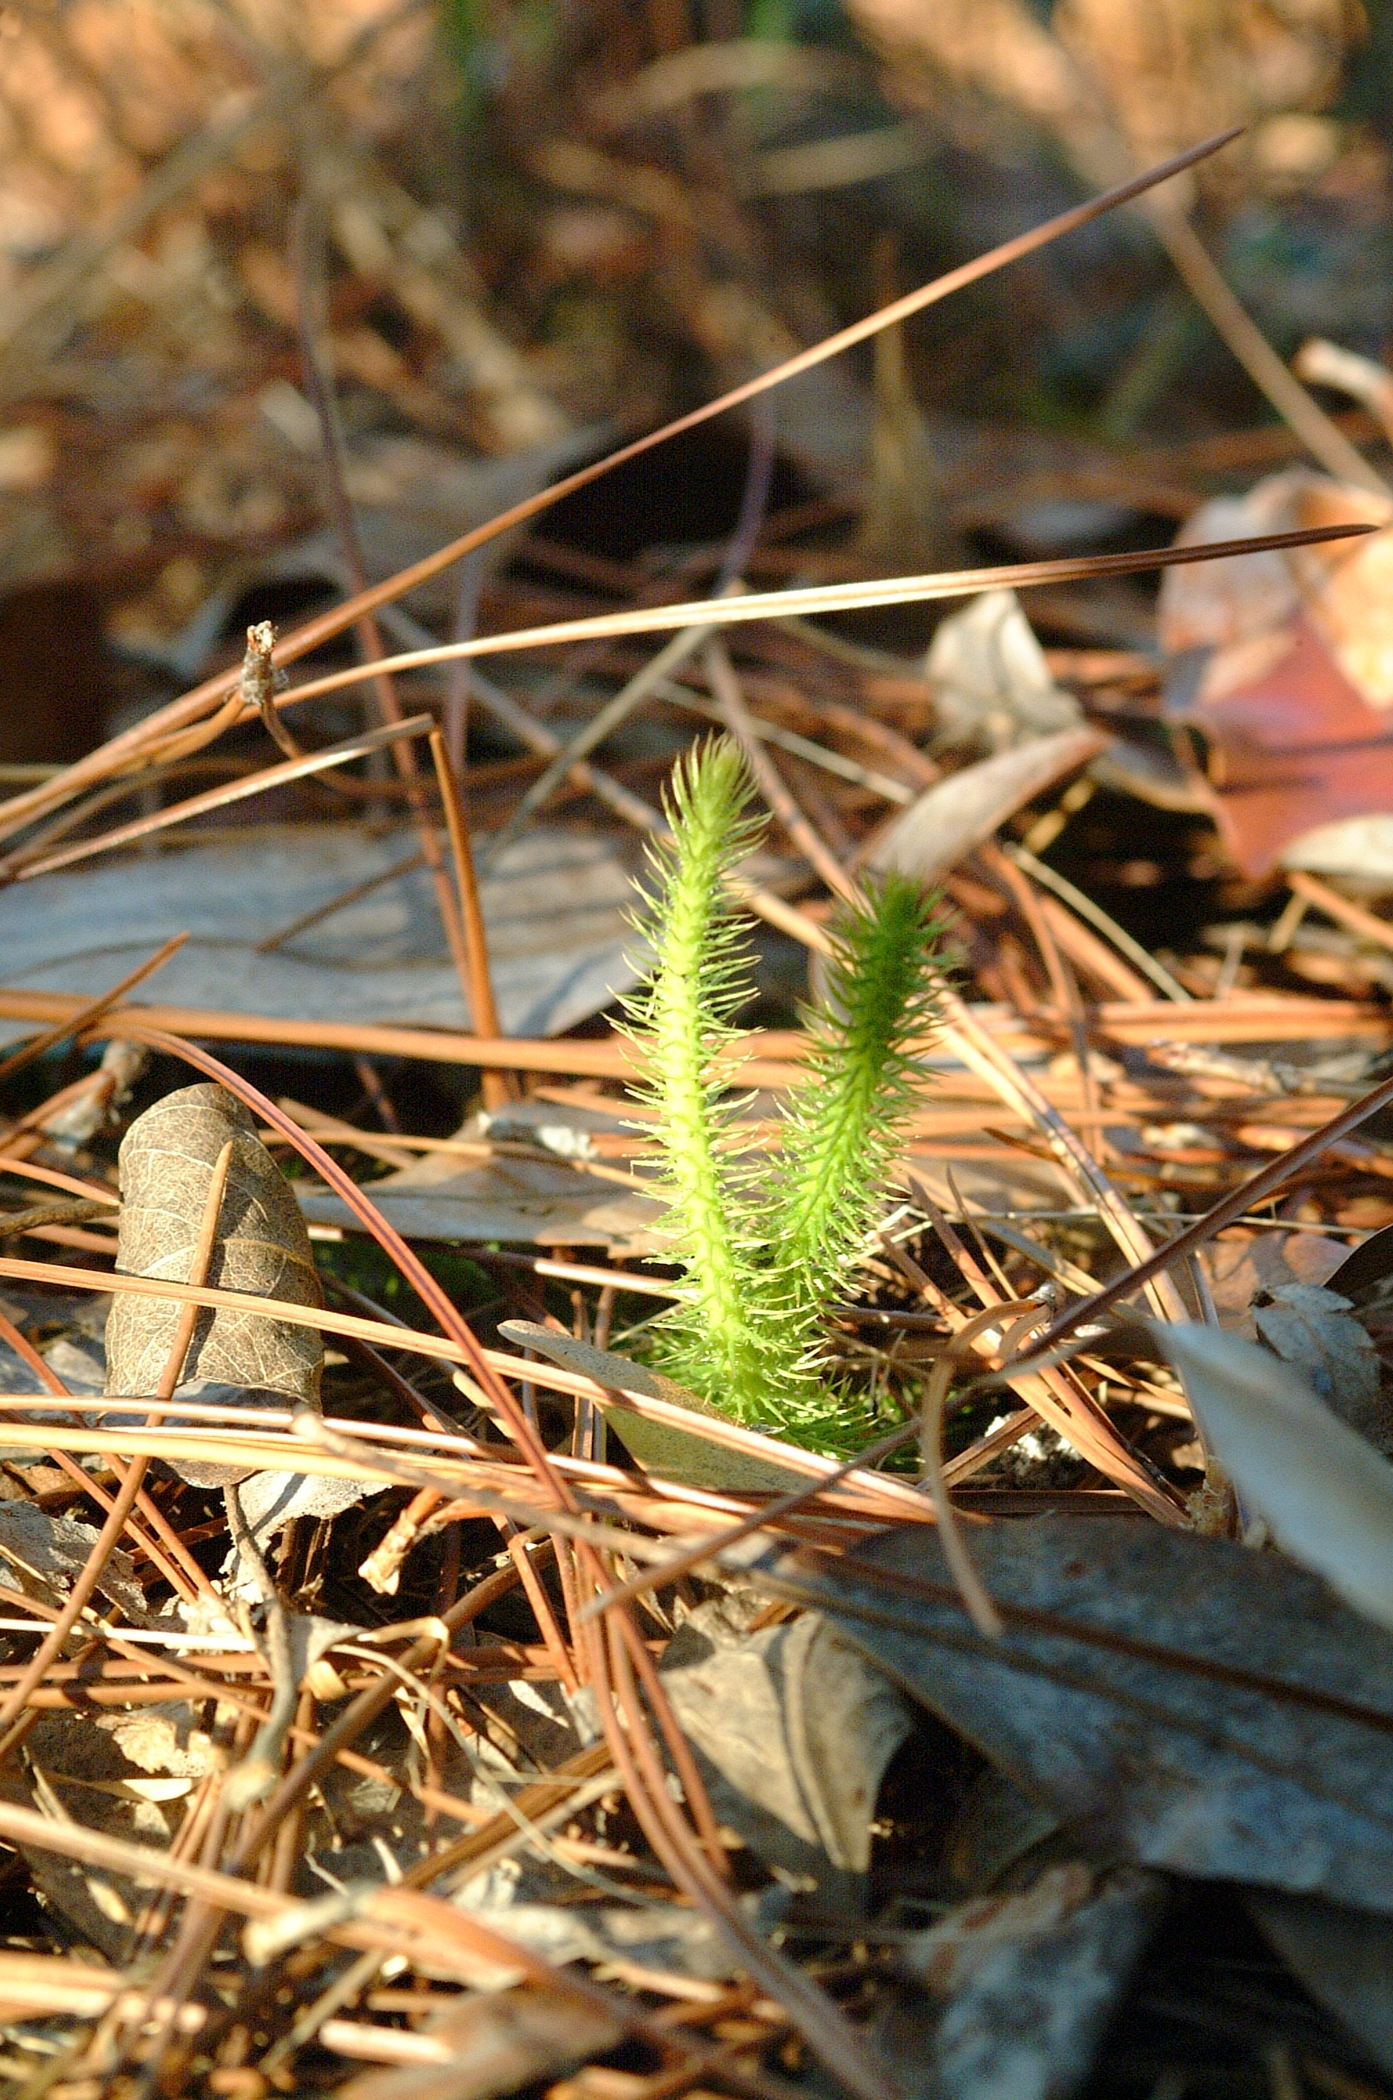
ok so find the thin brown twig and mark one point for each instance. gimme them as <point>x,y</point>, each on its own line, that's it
<point>412,1268</point>
<point>258,686</point>
<point>805,837</point>
<point>88,1015</point>
<point>766,1061</point>
<point>483,1009</point>
<point>256,1774</point>
<point>1325,899</point>
<point>821,2025</point>
<point>1253,1191</point>
<point>353,895</point>
<point>192,1580</point>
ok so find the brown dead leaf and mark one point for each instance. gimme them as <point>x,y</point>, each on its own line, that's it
<point>951,818</point>
<point>166,1163</point>
<point>1242,1262</point>
<point>1295,664</point>
<point>492,2044</point>
<point>42,1555</point>
<point>1294,745</point>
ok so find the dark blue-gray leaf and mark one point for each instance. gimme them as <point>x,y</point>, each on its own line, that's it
<point>1178,1701</point>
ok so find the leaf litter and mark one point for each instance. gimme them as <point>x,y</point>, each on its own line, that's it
<point>702,1753</point>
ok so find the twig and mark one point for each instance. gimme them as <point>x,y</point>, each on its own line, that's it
<point>1323,439</point>
<point>180,1569</point>
<point>1325,364</point>
<point>258,685</point>
<point>639,688</point>
<point>1251,1192</point>
<point>346,897</point>
<point>832,598</point>
<point>754,497</point>
<point>483,1011</point>
<point>1078,901</point>
<point>1311,890</point>
<point>15,1223</point>
<point>730,701</point>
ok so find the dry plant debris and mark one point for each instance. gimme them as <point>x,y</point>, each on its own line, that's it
<point>407,1687</point>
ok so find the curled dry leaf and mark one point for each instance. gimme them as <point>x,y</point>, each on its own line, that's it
<point>991,684</point>
<point>1286,663</point>
<point>123,1775</point>
<point>793,1729</point>
<point>957,814</point>
<point>1314,1330</point>
<point>1030,1982</point>
<point>43,1555</point>
<point>262,1247</point>
<point>1325,1492</point>
<point>483,2046</point>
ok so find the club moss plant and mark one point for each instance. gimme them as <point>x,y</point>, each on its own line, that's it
<point>766,1238</point>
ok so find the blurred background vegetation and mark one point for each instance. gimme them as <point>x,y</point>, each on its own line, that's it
<point>515,229</point>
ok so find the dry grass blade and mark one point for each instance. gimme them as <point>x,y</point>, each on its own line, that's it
<point>610,1673</point>
<point>53,1177</point>
<point>692,1556</point>
<point>829,598</point>
<point>483,1008</point>
<point>22,809</point>
<point>301,768</point>
<point>981,1054</point>
<point>196,1295</point>
<point>1322,438</point>
<point>1255,1020</point>
<point>1068,1407</point>
<point>389,1918</point>
<point>976,1602</point>
<point>92,1012</point>
<point>639,688</point>
<point>1312,890</point>
<point>1087,908</point>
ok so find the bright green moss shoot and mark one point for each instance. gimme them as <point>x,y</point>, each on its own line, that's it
<point>767,1244</point>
